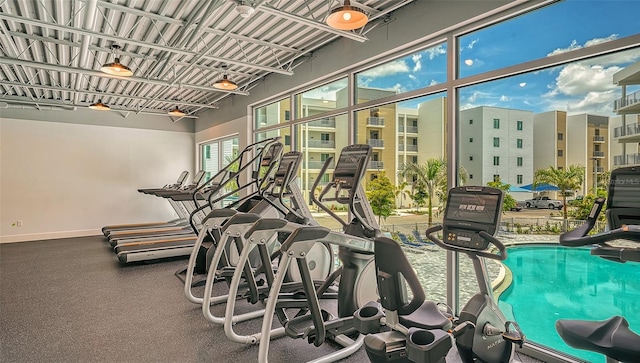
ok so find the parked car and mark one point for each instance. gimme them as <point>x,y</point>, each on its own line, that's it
<point>543,202</point>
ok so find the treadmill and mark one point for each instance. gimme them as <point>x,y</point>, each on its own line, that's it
<point>178,226</point>
<point>106,230</point>
<point>198,201</point>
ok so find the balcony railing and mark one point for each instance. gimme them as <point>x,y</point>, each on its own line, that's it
<point>409,147</point>
<point>627,130</point>
<point>375,142</point>
<point>629,159</point>
<point>325,122</point>
<point>409,129</point>
<point>375,121</point>
<point>313,164</point>
<point>327,144</point>
<point>598,154</point>
<point>598,138</point>
<point>377,165</point>
<point>629,100</point>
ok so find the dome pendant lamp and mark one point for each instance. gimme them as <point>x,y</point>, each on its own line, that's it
<point>116,68</point>
<point>347,17</point>
<point>99,106</point>
<point>225,83</point>
<point>176,112</point>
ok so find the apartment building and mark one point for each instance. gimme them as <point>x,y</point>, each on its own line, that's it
<point>586,144</point>
<point>497,143</point>
<point>625,128</point>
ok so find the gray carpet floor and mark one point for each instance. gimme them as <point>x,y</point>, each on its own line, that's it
<point>69,300</point>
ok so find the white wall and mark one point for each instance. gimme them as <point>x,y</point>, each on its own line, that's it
<point>68,179</point>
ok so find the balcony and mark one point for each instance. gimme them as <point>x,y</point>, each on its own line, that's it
<point>598,138</point>
<point>321,144</point>
<point>629,159</point>
<point>409,129</point>
<point>375,143</point>
<point>376,165</point>
<point>598,154</point>
<point>409,147</point>
<point>325,122</point>
<point>313,164</point>
<point>375,121</point>
<point>628,133</point>
<point>627,105</point>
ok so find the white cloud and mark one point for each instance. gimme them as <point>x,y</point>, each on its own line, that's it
<point>574,44</point>
<point>473,42</point>
<point>413,77</point>
<point>387,69</point>
<point>398,88</point>
<point>504,98</point>
<point>435,51</point>
<point>416,60</point>
<point>578,79</point>
<point>522,84</point>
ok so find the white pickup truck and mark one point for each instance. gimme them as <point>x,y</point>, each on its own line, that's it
<point>543,202</point>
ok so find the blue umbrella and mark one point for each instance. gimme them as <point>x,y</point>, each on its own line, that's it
<point>514,188</point>
<point>540,188</point>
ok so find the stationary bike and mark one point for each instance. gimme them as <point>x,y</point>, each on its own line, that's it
<point>611,337</point>
<point>416,330</point>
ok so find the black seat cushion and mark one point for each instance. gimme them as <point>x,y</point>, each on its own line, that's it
<point>427,316</point>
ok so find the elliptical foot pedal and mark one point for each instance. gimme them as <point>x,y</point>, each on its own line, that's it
<point>302,326</point>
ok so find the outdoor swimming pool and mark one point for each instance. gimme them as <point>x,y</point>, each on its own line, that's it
<point>551,282</point>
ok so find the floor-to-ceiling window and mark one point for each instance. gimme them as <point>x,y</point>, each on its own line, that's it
<point>530,92</point>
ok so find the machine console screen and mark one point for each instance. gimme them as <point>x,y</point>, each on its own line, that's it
<point>350,164</point>
<point>469,211</point>
<point>624,188</point>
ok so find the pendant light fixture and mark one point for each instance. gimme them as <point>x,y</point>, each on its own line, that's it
<point>99,106</point>
<point>176,112</point>
<point>225,83</point>
<point>347,17</point>
<point>116,68</point>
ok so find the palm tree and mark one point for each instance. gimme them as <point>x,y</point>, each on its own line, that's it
<point>402,192</point>
<point>566,180</point>
<point>429,175</point>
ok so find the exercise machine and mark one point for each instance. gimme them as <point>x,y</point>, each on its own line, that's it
<point>180,182</point>
<point>199,201</point>
<point>620,243</point>
<point>355,274</point>
<point>404,329</point>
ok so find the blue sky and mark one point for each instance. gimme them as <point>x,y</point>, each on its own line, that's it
<point>580,87</point>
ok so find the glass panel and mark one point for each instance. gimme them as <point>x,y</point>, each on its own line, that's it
<point>548,120</point>
<point>322,99</point>
<point>424,68</point>
<point>320,140</point>
<point>272,114</point>
<point>209,159</point>
<point>522,39</point>
<point>284,134</point>
<point>401,134</point>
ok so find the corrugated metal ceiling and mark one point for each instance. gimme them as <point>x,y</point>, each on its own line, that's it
<point>51,50</point>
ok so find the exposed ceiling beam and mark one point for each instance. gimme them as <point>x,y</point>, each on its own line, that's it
<point>179,22</point>
<point>90,12</point>
<point>312,23</point>
<point>104,94</point>
<point>90,72</point>
<point>122,40</point>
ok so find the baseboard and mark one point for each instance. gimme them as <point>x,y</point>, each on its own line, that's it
<point>49,235</point>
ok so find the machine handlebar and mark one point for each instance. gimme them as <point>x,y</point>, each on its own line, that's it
<point>500,255</point>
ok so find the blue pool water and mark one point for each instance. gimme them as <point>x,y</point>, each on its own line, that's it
<point>554,282</point>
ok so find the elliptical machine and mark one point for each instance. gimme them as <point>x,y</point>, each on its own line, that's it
<point>611,337</point>
<point>419,331</point>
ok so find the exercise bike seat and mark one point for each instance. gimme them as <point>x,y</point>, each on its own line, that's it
<point>611,337</point>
